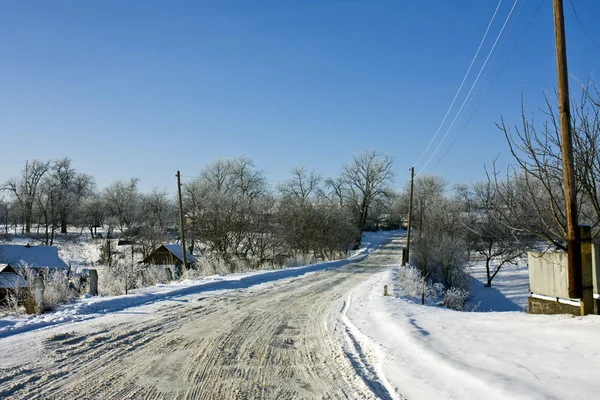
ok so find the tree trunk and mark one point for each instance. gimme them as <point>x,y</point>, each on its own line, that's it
<point>487,271</point>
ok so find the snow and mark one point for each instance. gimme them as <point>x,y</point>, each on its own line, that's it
<point>9,279</point>
<point>177,251</point>
<point>33,256</point>
<point>427,352</point>
<point>91,307</point>
<point>403,350</point>
<point>509,290</point>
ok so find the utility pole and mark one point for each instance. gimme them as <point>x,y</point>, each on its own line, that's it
<point>420,216</point>
<point>566,147</point>
<point>181,220</point>
<point>410,200</point>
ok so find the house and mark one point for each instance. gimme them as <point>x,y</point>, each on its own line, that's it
<point>36,257</point>
<point>169,254</point>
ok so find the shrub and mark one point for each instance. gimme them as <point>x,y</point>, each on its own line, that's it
<point>442,258</point>
<point>455,298</point>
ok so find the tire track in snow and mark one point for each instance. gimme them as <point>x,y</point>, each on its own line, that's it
<point>279,340</point>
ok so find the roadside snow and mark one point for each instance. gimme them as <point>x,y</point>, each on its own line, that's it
<point>92,307</point>
<point>427,352</point>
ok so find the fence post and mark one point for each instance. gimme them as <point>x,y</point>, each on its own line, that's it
<point>38,293</point>
<point>385,290</point>
<point>93,282</point>
<point>586,303</point>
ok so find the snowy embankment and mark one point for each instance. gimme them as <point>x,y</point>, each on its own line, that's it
<point>427,352</point>
<point>92,307</point>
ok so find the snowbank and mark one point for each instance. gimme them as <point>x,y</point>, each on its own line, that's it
<point>427,352</point>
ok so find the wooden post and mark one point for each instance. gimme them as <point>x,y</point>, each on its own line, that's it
<point>587,302</point>
<point>169,274</point>
<point>566,147</point>
<point>423,291</point>
<point>385,292</point>
<point>410,200</point>
<point>38,293</point>
<point>93,282</point>
<point>181,221</point>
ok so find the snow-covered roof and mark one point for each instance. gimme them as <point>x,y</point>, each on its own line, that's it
<point>177,251</point>
<point>9,279</point>
<point>16,255</point>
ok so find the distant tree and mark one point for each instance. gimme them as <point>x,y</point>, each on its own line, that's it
<point>366,179</point>
<point>48,207</point>
<point>25,188</point>
<point>71,188</point>
<point>4,213</point>
<point>122,201</point>
<point>159,212</point>
<point>221,203</point>
<point>91,213</point>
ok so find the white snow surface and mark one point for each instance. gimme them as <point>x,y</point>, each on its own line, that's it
<point>428,352</point>
<point>89,307</point>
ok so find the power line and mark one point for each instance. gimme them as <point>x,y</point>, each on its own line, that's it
<point>471,90</point>
<point>493,82</point>
<point>461,84</point>
<point>582,28</point>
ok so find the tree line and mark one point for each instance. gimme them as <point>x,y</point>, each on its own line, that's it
<point>229,207</point>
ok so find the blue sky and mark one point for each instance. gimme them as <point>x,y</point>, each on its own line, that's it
<point>144,88</point>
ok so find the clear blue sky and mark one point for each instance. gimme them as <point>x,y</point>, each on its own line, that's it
<point>144,88</point>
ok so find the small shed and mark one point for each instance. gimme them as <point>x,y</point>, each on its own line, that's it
<point>10,281</point>
<point>36,257</point>
<point>169,254</point>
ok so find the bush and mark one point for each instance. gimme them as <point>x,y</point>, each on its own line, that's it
<point>410,284</point>
<point>57,289</point>
<point>455,298</point>
<point>442,258</point>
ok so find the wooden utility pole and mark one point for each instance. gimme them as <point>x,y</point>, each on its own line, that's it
<point>573,238</point>
<point>420,216</point>
<point>181,220</point>
<point>410,200</point>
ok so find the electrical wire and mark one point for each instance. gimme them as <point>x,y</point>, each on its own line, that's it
<point>582,28</point>
<point>493,82</point>
<point>471,90</point>
<point>461,84</point>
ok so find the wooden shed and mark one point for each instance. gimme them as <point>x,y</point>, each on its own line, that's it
<point>10,281</point>
<point>168,254</point>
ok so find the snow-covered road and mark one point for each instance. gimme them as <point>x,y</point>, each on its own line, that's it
<point>281,339</point>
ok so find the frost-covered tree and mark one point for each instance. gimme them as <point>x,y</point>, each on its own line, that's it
<point>25,188</point>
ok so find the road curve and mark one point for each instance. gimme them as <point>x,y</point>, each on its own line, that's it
<point>282,340</point>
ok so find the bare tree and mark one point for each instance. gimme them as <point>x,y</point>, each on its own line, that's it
<point>303,184</point>
<point>122,201</point>
<point>220,203</point>
<point>367,180</point>
<point>26,186</point>
<point>534,187</point>
<point>48,205</point>
<point>71,188</point>
<point>159,212</point>
<point>486,233</point>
